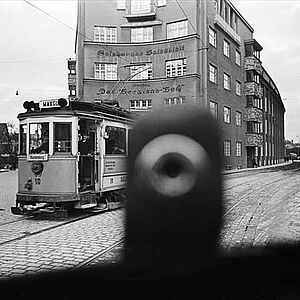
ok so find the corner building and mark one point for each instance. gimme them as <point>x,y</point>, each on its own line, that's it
<point>147,54</point>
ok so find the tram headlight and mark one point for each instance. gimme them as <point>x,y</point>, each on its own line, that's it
<point>62,102</point>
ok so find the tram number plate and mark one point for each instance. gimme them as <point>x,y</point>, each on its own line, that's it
<point>111,181</point>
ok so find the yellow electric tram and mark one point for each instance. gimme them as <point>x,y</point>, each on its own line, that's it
<point>72,155</point>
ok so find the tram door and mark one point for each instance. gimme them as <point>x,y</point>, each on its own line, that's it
<point>86,149</point>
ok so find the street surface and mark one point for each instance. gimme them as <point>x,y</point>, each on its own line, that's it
<point>261,206</point>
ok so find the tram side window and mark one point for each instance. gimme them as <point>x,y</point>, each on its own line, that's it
<point>23,140</point>
<point>115,143</point>
<point>39,138</point>
<point>62,137</point>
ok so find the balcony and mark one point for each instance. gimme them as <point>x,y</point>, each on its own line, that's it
<point>253,89</point>
<point>253,114</point>
<point>254,139</point>
<point>252,63</point>
<point>221,23</point>
<point>141,12</point>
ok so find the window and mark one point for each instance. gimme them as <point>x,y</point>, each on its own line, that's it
<point>213,108</point>
<point>227,81</point>
<point>39,138</point>
<point>177,29</point>
<point>121,4</point>
<point>62,137</point>
<point>174,101</point>
<point>227,148</point>
<point>176,67</point>
<point>23,138</point>
<point>105,34</point>
<point>140,104</point>
<point>142,34</point>
<point>115,142</point>
<point>238,149</point>
<point>140,6</point>
<point>106,71</point>
<point>212,37</point>
<point>161,3</point>
<point>212,74</point>
<point>139,72</point>
<point>237,57</point>
<point>226,48</point>
<point>254,127</point>
<point>238,88</point>
<point>238,118</point>
<point>227,114</point>
<point>249,76</point>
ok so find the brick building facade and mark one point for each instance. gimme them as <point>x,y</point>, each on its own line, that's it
<point>147,54</point>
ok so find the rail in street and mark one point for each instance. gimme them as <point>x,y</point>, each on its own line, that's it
<point>260,206</point>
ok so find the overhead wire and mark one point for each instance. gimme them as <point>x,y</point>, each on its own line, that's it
<point>71,28</point>
<point>90,39</point>
<point>187,17</point>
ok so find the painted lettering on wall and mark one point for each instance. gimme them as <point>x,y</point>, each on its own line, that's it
<point>141,91</point>
<point>141,53</point>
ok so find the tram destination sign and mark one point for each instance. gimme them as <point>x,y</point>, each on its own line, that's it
<point>50,103</point>
<point>36,157</point>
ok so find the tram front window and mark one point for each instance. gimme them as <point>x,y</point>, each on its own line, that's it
<point>115,144</point>
<point>39,138</point>
<point>23,134</point>
<point>62,137</point>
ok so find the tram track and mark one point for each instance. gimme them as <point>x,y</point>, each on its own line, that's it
<point>26,234</point>
<point>16,221</point>
<point>247,219</point>
<point>244,197</point>
<point>97,256</point>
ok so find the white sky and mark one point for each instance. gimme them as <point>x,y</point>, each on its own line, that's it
<point>34,50</point>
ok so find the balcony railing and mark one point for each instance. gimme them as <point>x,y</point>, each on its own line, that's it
<point>253,89</point>
<point>254,139</point>
<point>253,114</point>
<point>252,63</point>
<point>143,12</point>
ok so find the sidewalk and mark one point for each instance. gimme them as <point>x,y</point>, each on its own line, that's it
<point>256,169</point>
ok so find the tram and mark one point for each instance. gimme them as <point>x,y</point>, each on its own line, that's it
<point>72,155</point>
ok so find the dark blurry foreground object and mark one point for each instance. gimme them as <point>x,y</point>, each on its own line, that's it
<point>174,187</point>
<point>172,226</point>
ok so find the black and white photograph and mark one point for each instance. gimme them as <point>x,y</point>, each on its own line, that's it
<point>150,149</point>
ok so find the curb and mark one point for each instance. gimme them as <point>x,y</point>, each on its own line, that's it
<point>256,169</point>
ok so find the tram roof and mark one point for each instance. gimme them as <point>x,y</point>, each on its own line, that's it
<point>76,108</point>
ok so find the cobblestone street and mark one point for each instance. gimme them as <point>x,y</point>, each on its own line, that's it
<point>261,206</point>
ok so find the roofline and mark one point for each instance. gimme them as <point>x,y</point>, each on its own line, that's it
<point>240,15</point>
<point>270,80</point>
